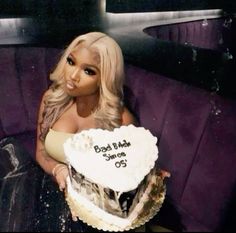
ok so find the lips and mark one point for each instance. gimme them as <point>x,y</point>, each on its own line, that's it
<point>70,85</point>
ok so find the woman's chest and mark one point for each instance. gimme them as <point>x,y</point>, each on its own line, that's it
<point>71,122</point>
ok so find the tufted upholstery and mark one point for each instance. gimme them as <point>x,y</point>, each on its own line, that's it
<point>196,131</point>
<point>24,77</point>
<point>212,34</point>
<point>195,128</point>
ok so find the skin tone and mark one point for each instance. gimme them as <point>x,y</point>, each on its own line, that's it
<point>82,80</point>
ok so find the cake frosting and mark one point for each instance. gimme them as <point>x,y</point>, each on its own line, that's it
<point>118,159</point>
<point>113,175</point>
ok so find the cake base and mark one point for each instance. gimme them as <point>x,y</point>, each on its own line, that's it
<point>150,204</point>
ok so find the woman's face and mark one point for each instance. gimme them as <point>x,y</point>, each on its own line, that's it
<point>82,72</point>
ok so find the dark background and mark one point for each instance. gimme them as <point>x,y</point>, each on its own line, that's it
<point>55,23</point>
<point>167,5</point>
<point>58,21</point>
<point>61,8</point>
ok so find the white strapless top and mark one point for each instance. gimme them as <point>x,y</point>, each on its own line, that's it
<point>54,144</point>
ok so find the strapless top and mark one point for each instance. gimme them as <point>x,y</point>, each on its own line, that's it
<point>54,144</point>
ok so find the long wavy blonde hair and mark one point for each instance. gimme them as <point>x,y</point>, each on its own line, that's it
<point>108,112</point>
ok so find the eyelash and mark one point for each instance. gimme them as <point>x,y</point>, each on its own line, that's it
<point>70,61</point>
<point>87,71</point>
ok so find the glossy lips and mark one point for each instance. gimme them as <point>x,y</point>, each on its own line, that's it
<point>70,85</point>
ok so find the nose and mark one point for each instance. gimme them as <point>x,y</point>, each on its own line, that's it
<point>74,75</point>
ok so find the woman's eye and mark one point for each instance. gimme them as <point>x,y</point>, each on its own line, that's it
<point>70,61</point>
<point>89,71</point>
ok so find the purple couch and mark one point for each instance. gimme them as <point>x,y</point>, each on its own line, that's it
<point>196,131</point>
<point>212,34</point>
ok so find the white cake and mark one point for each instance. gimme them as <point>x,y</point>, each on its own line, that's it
<point>114,184</point>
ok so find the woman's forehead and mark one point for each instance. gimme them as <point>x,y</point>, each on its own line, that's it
<point>88,53</point>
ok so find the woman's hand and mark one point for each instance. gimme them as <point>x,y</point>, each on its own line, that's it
<point>60,172</point>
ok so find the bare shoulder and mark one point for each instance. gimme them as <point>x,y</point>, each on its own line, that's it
<point>46,93</point>
<point>42,102</point>
<point>128,118</point>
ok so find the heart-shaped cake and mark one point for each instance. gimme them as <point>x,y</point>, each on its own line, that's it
<point>114,182</point>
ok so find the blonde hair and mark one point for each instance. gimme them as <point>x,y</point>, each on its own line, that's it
<point>108,113</point>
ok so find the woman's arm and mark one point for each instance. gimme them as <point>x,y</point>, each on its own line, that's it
<point>48,164</point>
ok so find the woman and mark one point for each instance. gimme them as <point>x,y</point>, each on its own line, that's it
<point>87,92</point>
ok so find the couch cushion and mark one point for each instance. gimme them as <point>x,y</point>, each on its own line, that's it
<point>207,33</point>
<point>2,134</point>
<point>24,76</point>
<point>12,109</point>
<point>212,177</point>
<point>196,132</point>
<point>32,73</point>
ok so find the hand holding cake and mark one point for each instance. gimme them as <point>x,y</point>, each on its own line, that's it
<point>60,173</point>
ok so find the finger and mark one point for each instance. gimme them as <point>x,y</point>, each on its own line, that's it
<point>165,174</point>
<point>62,186</point>
<point>74,217</point>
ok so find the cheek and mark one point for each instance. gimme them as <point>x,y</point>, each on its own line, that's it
<point>86,87</point>
<point>99,81</point>
<point>92,86</point>
<point>66,72</point>
<point>93,81</point>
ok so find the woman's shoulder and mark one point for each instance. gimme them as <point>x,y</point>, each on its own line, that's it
<point>127,117</point>
<point>47,93</point>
